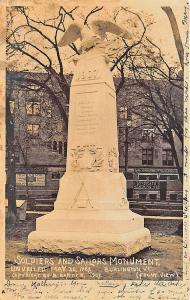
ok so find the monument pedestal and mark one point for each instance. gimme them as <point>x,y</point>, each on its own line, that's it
<point>94,218</point>
<point>89,243</point>
<point>91,214</point>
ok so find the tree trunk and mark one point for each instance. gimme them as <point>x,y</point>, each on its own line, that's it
<point>26,166</point>
<point>126,150</point>
<point>180,168</point>
<point>11,174</point>
<point>176,34</point>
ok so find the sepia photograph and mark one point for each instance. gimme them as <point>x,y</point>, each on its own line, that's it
<point>96,154</point>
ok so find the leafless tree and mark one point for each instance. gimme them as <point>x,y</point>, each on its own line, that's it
<point>37,40</point>
<point>176,33</point>
<point>158,97</point>
<point>11,174</point>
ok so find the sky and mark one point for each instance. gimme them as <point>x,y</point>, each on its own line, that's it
<point>160,32</point>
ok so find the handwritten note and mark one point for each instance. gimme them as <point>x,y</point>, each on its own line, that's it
<point>100,290</point>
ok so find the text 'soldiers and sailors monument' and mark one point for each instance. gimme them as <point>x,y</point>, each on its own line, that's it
<point>91,213</point>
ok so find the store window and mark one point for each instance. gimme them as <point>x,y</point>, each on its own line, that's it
<point>54,195</point>
<point>173,177</point>
<point>173,197</point>
<point>153,177</point>
<point>147,157</point>
<point>169,177</point>
<point>32,179</point>
<point>167,157</point>
<point>56,175</point>
<point>142,197</point>
<point>142,177</point>
<point>148,176</point>
<point>33,108</point>
<point>153,197</point>
<point>130,194</point>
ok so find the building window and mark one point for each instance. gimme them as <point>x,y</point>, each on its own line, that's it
<point>12,106</point>
<point>148,135</point>
<point>17,155</point>
<point>56,175</point>
<point>129,115</point>
<point>142,196</point>
<point>33,108</point>
<point>165,136</point>
<point>149,113</point>
<point>49,112</point>
<point>123,112</point>
<point>167,157</point>
<point>147,157</point>
<point>60,147</point>
<point>173,197</point>
<point>122,131</point>
<point>33,129</point>
<point>49,145</point>
<point>54,148</point>
<point>65,149</point>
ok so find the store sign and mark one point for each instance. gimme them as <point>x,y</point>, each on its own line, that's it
<point>146,185</point>
<point>32,170</point>
<point>154,170</point>
<point>33,179</point>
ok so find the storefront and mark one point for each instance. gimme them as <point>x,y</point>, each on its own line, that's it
<point>38,181</point>
<point>154,184</point>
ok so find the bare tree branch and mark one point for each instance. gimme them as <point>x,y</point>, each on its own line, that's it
<point>94,10</point>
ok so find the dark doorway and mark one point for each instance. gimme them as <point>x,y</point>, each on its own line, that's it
<point>163,190</point>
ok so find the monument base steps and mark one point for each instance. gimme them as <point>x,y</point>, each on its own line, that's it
<point>112,244</point>
<point>90,232</point>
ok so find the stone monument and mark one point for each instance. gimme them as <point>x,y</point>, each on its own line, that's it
<point>91,213</point>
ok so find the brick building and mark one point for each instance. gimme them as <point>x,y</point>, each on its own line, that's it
<point>41,149</point>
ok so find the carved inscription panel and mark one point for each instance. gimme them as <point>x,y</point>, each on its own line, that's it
<point>86,120</point>
<point>87,74</point>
